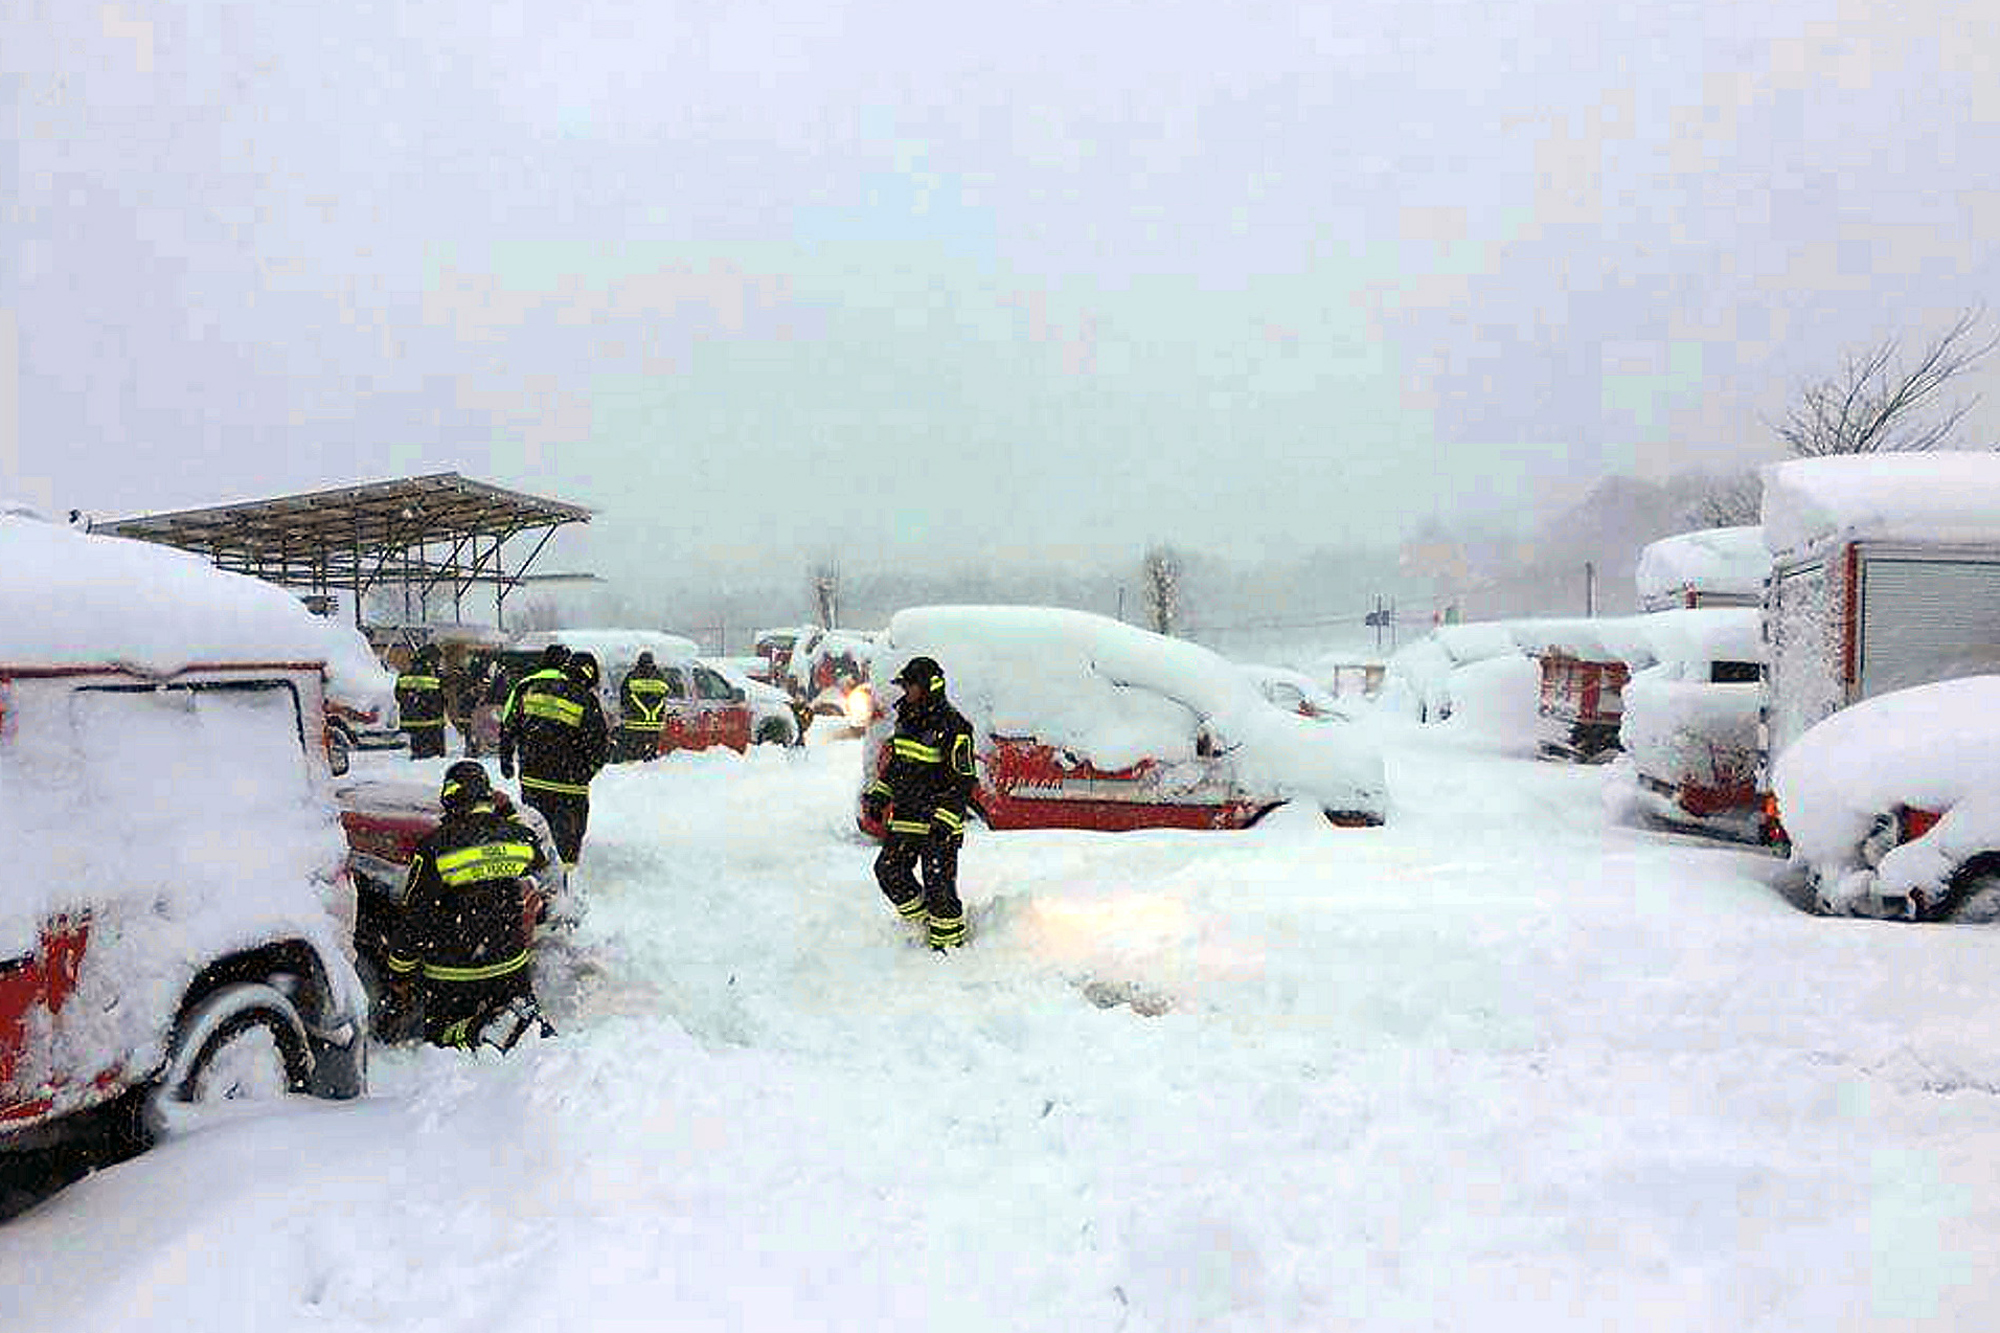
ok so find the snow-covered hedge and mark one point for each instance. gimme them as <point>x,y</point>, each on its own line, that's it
<point>1933,747</point>
<point>1115,694</point>
<point>1938,497</point>
<point>1717,562</point>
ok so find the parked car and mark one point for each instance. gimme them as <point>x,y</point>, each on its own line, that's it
<point>1086,722</point>
<point>1690,722</point>
<point>1892,805</point>
<point>1296,692</point>
<point>773,718</point>
<point>176,922</point>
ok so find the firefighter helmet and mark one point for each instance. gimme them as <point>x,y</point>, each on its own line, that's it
<point>465,784</point>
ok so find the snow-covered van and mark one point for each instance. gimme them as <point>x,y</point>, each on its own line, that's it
<point>1892,805</point>
<point>1710,568</point>
<point>176,922</point>
<point>1086,722</point>
<point>1690,721</point>
<point>1885,574</point>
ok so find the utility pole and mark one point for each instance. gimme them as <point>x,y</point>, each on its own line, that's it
<point>1589,588</point>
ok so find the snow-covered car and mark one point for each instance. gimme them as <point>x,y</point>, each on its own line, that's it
<point>176,922</point>
<point>1086,722</point>
<point>384,820</point>
<point>361,710</point>
<point>1690,722</point>
<point>1296,692</point>
<point>1892,805</point>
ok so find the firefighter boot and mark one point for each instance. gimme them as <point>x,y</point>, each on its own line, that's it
<point>947,932</point>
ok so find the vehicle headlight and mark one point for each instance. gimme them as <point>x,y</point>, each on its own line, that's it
<point>859,706</point>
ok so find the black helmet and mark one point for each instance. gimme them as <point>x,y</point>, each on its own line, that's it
<point>645,659</point>
<point>554,655</point>
<point>465,785</point>
<point>922,671</point>
<point>582,668</point>
<point>427,654</point>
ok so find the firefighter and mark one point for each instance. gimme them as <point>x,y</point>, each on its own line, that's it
<point>551,668</point>
<point>642,708</point>
<point>922,794</point>
<point>420,700</point>
<point>556,724</point>
<point>461,945</point>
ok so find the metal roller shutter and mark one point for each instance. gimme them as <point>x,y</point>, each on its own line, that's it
<point>1924,620</point>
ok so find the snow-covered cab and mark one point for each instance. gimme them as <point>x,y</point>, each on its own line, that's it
<point>1690,721</point>
<point>175,919</point>
<point>1715,567</point>
<point>1085,722</point>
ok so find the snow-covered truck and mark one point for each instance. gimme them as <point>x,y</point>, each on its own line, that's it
<point>1709,568</point>
<point>1584,666</point>
<point>1085,722</point>
<point>176,923</point>
<point>1690,721</point>
<point>1885,576</point>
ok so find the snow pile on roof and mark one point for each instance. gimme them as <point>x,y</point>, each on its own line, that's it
<point>72,599</point>
<point>1696,636</point>
<point>355,677</point>
<point>1927,747</point>
<point>1115,694</point>
<point>1727,561</point>
<point>1421,676</point>
<point>1943,497</point>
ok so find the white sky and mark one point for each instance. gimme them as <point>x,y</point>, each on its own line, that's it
<point>762,281</point>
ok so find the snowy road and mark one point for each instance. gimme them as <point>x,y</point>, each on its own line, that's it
<point>1499,1065</point>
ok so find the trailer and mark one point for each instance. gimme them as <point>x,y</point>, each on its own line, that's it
<point>1885,576</point>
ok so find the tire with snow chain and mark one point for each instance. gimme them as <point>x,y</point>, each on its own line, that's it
<point>243,1042</point>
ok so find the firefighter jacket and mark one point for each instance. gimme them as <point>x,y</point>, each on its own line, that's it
<point>420,698</point>
<point>464,912</point>
<point>642,701</point>
<point>929,776</point>
<point>558,728</point>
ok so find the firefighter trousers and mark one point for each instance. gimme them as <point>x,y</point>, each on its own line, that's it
<point>426,742</point>
<point>936,854</point>
<point>568,814</point>
<point>460,1013</point>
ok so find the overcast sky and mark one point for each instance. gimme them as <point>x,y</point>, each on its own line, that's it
<point>769,280</point>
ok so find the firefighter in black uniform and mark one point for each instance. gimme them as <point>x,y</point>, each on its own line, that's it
<point>462,940</point>
<point>420,701</point>
<point>557,725</point>
<point>642,708</point>
<point>923,792</point>
<point>551,668</point>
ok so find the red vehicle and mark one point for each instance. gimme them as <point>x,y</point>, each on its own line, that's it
<point>1217,753</point>
<point>1584,702</point>
<point>1691,723</point>
<point>174,915</point>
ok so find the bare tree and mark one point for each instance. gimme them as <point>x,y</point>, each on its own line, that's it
<point>1160,586</point>
<point>825,580</point>
<point>1876,405</point>
<point>1729,502</point>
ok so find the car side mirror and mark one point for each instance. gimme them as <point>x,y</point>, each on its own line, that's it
<point>336,759</point>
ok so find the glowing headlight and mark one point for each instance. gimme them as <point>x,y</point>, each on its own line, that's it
<point>859,706</point>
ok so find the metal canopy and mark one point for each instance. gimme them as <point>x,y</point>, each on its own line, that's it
<point>419,532</point>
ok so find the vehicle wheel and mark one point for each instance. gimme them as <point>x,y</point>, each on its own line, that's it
<point>772,732</point>
<point>1973,896</point>
<point>242,1043</point>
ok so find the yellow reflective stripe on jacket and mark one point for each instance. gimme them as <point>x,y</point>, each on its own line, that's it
<point>955,823</point>
<point>487,861</point>
<point>400,965</point>
<point>566,788</point>
<point>658,724</point>
<point>410,724</point>
<point>439,972</point>
<point>905,748</point>
<point>417,682</point>
<point>909,826</point>
<point>961,754</point>
<point>514,697</point>
<point>880,788</point>
<point>646,685</point>
<point>553,708</point>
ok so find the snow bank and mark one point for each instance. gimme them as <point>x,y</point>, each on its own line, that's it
<point>1719,562</point>
<point>1931,747</point>
<point>72,599</point>
<point>1496,703</point>
<point>1941,497</point>
<point>1115,694</point>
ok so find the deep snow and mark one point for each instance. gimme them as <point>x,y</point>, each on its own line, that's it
<point>1496,1065</point>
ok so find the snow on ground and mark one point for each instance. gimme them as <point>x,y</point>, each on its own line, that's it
<point>1497,1065</point>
